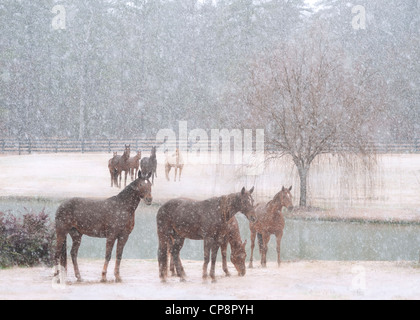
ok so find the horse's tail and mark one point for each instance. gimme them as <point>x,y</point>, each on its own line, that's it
<point>260,241</point>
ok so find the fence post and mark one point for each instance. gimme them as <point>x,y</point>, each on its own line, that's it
<point>19,147</point>
<point>83,146</point>
<point>109,146</point>
<point>29,146</point>
<point>3,146</point>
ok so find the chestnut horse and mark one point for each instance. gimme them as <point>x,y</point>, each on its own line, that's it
<point>134,164</point>
<point>117,165</point>
<point>238,252</point>
<point>112,219</point>
<point>198,220</point>
<point>175,161</point>
<point>270,220</point>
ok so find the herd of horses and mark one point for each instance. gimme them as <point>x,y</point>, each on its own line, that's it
<point>131,165</point>
<point>212,221</point>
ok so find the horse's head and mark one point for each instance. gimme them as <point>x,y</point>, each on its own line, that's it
<point>127,151</point>
<point>115,154</point>
<point>246,205</point>
<point>153,152</point>
<point>238,257</point>
<point>285,198</point>
<point>144,186</point>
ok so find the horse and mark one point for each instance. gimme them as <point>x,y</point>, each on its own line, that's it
<point>149,165</point>
<point>174,161</point>
<point>112,169</point>
<point>122,165</point>
<point>206,220</point>
<point>270,220</point>
<point>134,163</point>
<point>238,253</point>
<point>112,219</point>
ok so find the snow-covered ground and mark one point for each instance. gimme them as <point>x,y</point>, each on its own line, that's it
<point>388,191</point>
<point>293,280</point>
<point>394,182</point>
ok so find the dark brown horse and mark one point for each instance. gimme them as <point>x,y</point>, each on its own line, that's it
<point>112,219</point>
<point>134,164</point>
<point>270,220</point>
<point>238,252</point>
<point>149,165</point>
<point>113,170</point>
<point>198,220</point>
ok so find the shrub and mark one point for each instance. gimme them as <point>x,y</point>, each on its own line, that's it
<point>27,241</point>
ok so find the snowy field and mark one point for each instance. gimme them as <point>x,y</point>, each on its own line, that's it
<point>393,193</point>
<point>293,280</point>
<point>393,182</point>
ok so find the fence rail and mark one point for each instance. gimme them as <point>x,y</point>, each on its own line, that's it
<point>27,146</point>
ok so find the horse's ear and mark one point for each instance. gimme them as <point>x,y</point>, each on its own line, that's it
<point>139,175</point>
<point>149,175</point>
<point>252,190</point>
<point>283,189</point>
<point>243,191</point>
<point>290,189</point>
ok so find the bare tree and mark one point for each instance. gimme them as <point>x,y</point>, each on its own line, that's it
<point>311,100</point>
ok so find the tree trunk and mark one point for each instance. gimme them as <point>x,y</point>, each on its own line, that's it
<point>303,175</point>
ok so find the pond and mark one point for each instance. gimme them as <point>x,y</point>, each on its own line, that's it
<point>303,240</point>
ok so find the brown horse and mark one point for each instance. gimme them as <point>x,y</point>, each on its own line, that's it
<point>198,220</point>
<point>270,221</point>
<point>238,252</point>
<point>134,164</point>
<point>123,165</point>
<point>175,161</point>
<point>112,219</point>
<point>149,165</point>
<point>112,170</point>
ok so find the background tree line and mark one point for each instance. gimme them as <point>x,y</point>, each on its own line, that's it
<point>129,68</point>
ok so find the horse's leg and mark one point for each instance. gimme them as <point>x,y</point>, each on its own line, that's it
<point>176,171</point>
<point>279,236</point>
<point>77,240</point>
<point>207,247</point>
<point>163,258</point>
<point>214,251</point>
<point>224,258</point>
<point>60,259</point>
<point>265,239</point>
<point>180,173</point>
<point>172,263</point>
<point>109,246</point>
<point>253,236</point>
<point>176,248</point>
<point>125,181</point>
<point>120,248</point>
<point>167,170</point>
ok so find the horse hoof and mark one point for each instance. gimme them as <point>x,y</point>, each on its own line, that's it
<point>213,281</point>
<point>182,280</point>
<point>118,280</point>
<point>103,280</point>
